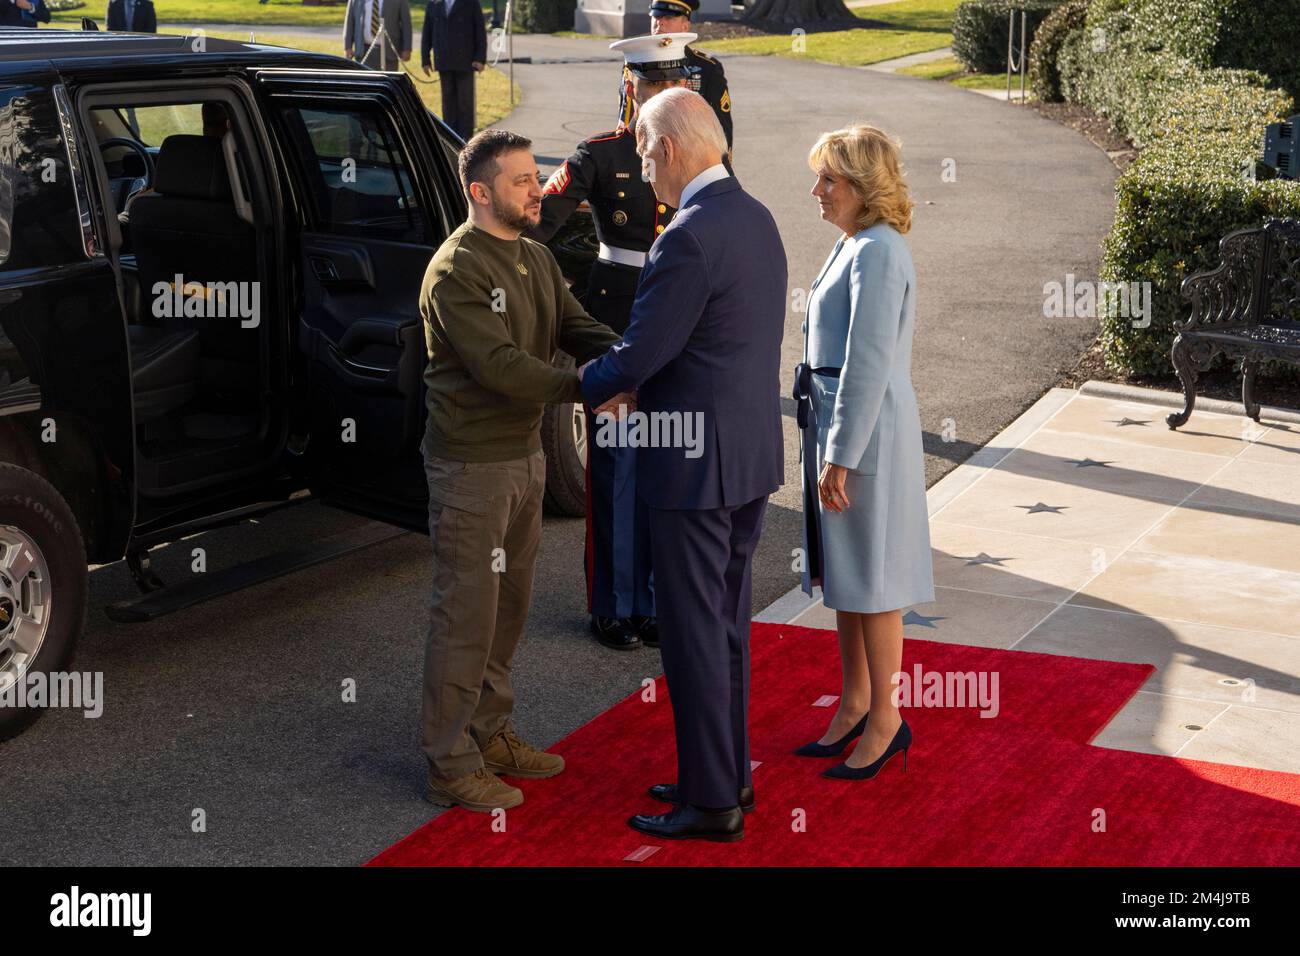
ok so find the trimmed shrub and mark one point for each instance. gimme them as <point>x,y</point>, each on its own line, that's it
<point>1185,81</point>
<point>1099,10</point>
<point>542,16</point>
<point>1048,39</point>
<point>1184,193</point>
<point>979,30</point>
<point>1167,227</point>
<point>1248,34</point>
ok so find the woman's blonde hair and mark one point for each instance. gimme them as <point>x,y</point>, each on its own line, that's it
<point>873,164</point>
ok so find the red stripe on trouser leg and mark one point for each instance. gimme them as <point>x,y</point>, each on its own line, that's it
<point>589,557</point>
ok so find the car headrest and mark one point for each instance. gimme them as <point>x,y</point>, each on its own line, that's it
<point>193,167</point>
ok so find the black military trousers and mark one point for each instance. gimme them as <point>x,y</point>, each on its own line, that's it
<point>619,579</point>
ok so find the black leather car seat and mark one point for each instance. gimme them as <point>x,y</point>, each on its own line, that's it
<point>188,226</point>
<point>164,370</point>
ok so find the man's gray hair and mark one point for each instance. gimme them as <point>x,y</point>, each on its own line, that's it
<point>687,119</point>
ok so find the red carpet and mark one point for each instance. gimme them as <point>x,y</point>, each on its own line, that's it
<point>1022,788</point>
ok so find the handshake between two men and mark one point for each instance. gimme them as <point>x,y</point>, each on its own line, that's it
<point>703,341</point>
<point>619,406</point>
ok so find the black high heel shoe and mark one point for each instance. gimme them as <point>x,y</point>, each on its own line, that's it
<point>902,740</point>
<point>815,749</point>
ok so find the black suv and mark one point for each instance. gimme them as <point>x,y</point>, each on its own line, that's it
<point>210,258</point>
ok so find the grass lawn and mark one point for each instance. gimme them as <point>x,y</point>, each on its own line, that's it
<point>575,35</point>
<point>951,70</point>
<point>899,29</point>
<point>492,97</point>
<point>273,13</point>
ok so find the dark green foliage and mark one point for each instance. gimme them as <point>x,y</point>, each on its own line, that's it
<point>1193,82</point>
<point>979,30</point>
<point>542,16</point>
<point>1052,33</point>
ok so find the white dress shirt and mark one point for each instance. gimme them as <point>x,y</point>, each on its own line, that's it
<point>711,175</point>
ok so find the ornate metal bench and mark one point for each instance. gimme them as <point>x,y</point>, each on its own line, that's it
<point>1247,307</point>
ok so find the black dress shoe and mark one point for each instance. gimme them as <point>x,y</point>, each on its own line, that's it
<point>902,740</point>
<point>615,632</point>
<point>815,749</point>
<point>667,793</point>
<point>693,823</point>
<point>647,628</point>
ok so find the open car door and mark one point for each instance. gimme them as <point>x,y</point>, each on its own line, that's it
<point>376,196</point>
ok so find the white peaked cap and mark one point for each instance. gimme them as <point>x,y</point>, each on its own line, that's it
<point>661,57</point>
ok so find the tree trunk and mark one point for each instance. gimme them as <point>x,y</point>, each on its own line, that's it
<point>799,11</point>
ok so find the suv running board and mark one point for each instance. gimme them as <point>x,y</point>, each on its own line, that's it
<point>205,587</point>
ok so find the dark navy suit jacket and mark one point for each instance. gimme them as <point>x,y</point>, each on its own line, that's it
<point>455,43</point>
<point>705,336</point>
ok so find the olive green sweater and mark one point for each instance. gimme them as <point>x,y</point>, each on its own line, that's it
<point>495,313</point>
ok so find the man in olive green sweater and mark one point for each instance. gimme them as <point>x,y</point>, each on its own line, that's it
<point>496,309</point>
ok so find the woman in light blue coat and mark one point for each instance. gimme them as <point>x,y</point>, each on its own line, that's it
<point>866,525</point>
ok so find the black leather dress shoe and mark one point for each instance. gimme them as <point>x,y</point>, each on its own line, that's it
<point>617,633</point>
<point>693,823</point>
<point>667,793</point>
<point>647,628</point>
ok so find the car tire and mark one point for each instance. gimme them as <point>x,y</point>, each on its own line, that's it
<point>40,540</point>
<point>564,440</point>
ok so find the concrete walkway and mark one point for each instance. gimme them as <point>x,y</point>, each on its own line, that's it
<point>912,59</point>
<point>1090,529</point>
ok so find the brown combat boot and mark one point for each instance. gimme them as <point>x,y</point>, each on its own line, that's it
<point>481,790</point>
<point>506,754</point>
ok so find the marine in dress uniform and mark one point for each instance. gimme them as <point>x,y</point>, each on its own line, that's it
<point>605,170</point>
<point>706,75</point>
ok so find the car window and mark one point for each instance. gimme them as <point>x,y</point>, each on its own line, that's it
<point>363,184</point>
<point>39,221</point>
<point>153,124</point>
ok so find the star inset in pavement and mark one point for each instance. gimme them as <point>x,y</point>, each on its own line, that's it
<point>983,558</point>
<point>1035,508</point>
<point>911,617</point>
<point>1129,421</point>
<point>1089,463</point>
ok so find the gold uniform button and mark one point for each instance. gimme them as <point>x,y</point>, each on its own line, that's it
<point>602,291</point>
<point>663,208</point>
<point>621,194</point>
<point>658,229</point>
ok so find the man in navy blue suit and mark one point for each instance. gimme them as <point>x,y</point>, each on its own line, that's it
<point>702,350</point>
<point>455,44</point>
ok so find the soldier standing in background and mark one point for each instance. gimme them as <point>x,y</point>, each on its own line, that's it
<point>706,75</point>
<point>605,170</point>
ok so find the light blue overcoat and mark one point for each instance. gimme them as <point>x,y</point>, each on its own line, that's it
<point>875,555</point>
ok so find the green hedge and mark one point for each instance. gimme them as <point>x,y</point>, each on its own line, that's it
<point>542,16</point>
<point>979,30</point>
<point>1169,217</point>
<point>1249,34</point>
<point>1196,96</point>
<point>1044,78</point>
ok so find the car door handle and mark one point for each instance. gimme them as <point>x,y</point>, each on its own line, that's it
<point>324,269</point>
<point>358,368</point>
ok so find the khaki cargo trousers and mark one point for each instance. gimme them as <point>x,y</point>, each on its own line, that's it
<point>485,525</point>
